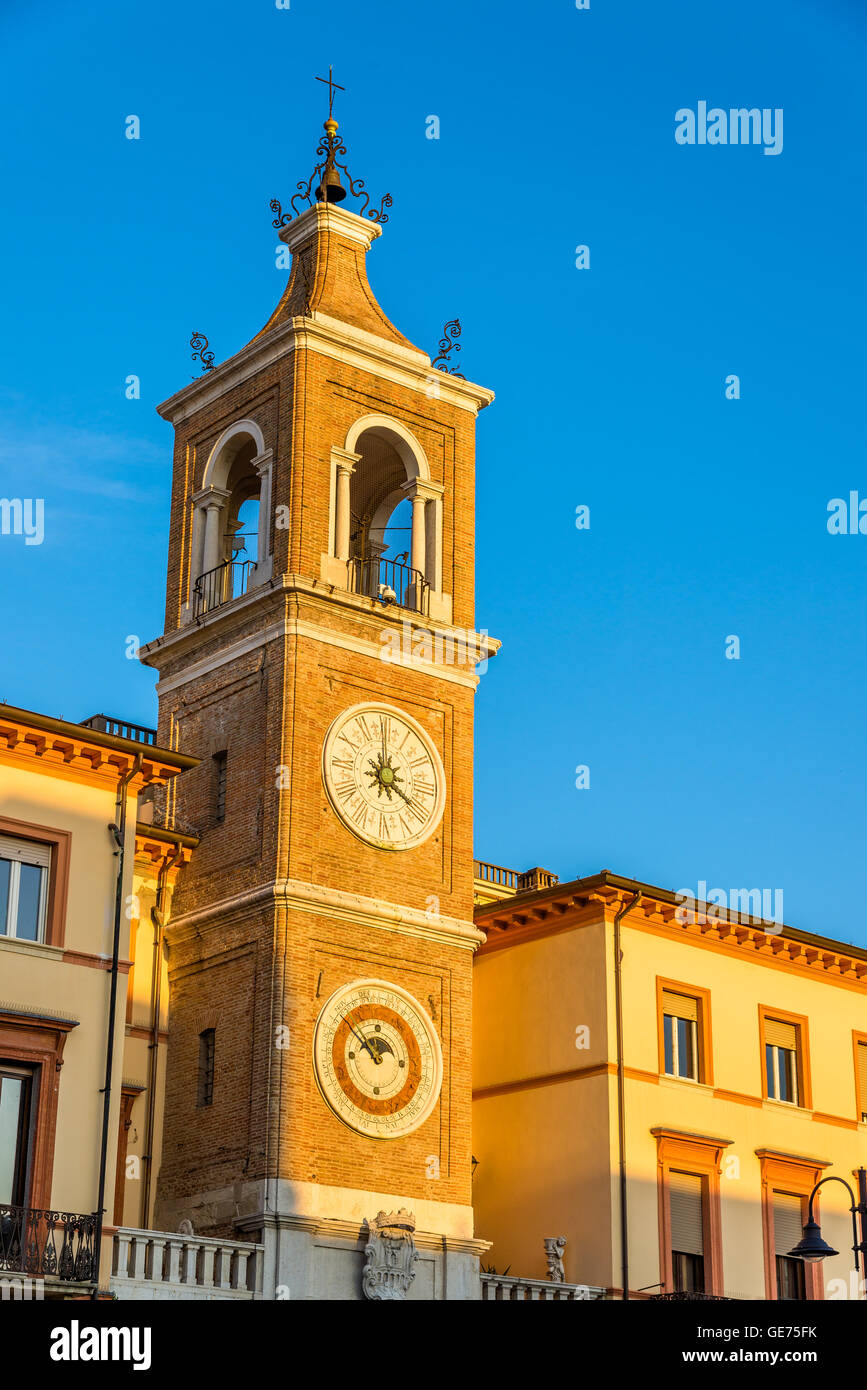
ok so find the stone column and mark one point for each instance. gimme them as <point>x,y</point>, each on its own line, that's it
<point>345,463</point>
<point>263,466</point>
<point>213,500</point>
<point>424,495</point>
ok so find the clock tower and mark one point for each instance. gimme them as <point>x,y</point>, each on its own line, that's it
<point>321,943</point>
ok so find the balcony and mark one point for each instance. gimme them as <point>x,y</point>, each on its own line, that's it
<point>219,586</point>
<point>390,582</point>
<point>120,728</point>
<point>50,1245</point>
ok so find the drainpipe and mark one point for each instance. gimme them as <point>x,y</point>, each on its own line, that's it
<point>157,917</point>
<point>118,830</point>
<point>621,1108</point>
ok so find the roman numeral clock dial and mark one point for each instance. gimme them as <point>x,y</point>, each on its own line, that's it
<point>383,776</point>
<point>378,1059</point>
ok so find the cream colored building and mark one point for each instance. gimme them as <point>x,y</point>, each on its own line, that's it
<point>71,855</point>
<point>735,1080</point>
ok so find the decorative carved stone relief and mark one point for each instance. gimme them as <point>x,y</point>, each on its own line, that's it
<point>389,1255</point>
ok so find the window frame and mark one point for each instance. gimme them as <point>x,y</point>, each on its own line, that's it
<point>31,1040</point>
<point>700,1156</point>
<point>859,1040</point>
<point>795,1177</point>
<point>59,843</point>
<point>800,1023</point>
<point>703,1032</point>
<point>221,784</point>
<point>206,1072</point>
<point>26,1132</point>
<point>10,927</point>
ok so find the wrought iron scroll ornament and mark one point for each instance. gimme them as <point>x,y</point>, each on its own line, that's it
<point>310,190</point>
<point>324,183</point>
<point>447,344</point>
<point>199,344</point>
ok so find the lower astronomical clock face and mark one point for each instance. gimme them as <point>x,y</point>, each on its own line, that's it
<point>383,776</point>
<point>378,1059</point>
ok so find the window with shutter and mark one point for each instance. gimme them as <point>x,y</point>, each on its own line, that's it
<point>788,1230</point>
<point>781,1060</point>
<point>780,1034</point>
<point>680,1035</point>
<point>861,1061</point>
<point>24,866</point>
<point>686,1216</point>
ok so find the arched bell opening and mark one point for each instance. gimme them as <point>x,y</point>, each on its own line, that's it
<point>231,520</point>
<point>386,516</point>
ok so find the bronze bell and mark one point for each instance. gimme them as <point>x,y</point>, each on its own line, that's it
<point>330,190</point>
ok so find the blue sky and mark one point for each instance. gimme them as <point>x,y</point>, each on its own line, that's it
<point>708,516</point>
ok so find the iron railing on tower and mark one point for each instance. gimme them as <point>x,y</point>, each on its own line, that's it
<point>220,585</point>
<point>390,582</point>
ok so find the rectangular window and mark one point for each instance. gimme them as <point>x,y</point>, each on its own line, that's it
<point>680,1035</point>
<point>788,1230</point>
<point>686,1214</point>
<point>206,1068</point>
<point>220,764</point>
<point>861,1080</point>
<point>15,1093</point>
<point>24,867</point>
<point>781,1060</point>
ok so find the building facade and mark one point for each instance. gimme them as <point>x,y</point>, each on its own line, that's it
<point>672,1083</point>
<point>74,871</point>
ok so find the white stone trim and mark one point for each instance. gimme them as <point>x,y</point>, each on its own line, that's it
<point>239,427</point>
<point>412,455</point>
<point>405,367</point>
<point>314,1202</point>
<point>342,906</point>
<point>347,224</point>
<point>487,647</point>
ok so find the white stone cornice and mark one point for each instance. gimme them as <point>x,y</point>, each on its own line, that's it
<point>400,624</point>
<point>342,1211</point>
<point>329,217</point>
<point>334,902</point>
<point>403,366</point>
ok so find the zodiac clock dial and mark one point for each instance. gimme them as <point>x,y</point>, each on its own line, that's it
<point>377,1059</point>
<point>383,776</point>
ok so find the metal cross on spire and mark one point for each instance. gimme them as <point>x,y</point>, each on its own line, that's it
<point>332,85</point>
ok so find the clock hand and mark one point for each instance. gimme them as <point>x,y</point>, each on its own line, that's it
<point>361,1039</point>
<point>408,799</point>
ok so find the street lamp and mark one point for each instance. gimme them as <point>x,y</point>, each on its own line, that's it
<point>812,1247</point>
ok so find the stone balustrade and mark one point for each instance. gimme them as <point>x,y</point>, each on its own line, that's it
<point>165,1265</point>
<point>503,1288</point>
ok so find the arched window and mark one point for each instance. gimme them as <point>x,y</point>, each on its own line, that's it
<point>231,525</point>
<point>387,514</point>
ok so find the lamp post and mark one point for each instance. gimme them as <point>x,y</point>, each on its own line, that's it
<point>812,1247</point>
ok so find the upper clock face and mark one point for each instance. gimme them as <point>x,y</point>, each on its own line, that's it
<point>383,776</point>
<point>378,1059</point>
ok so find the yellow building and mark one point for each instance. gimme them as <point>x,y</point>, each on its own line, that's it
<point>76,878</point>
<point>662,1083</point>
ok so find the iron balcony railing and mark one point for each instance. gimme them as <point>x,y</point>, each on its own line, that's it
<point>47,1244</point>
<point>390,582</point>
<point>121,728</point>
<point>218,586</point>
